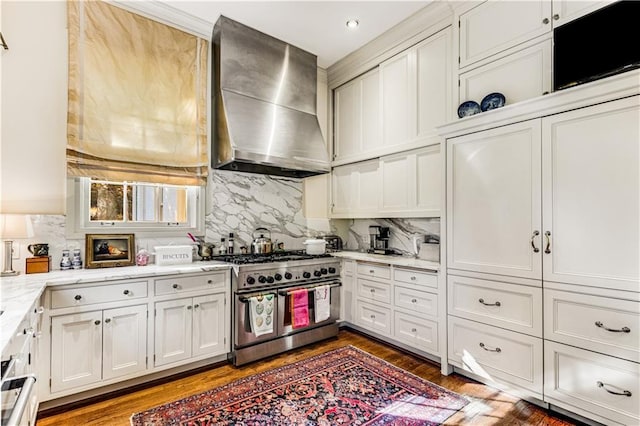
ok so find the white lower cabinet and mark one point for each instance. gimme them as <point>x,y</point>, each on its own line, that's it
<point>93,346</point>
<point>592,384</point>
<point>496,355</point>
<point>347,290</point>
<point>404,309</point>
<point>189,327</point>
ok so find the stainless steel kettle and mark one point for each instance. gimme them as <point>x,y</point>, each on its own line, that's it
<point>261,244</point>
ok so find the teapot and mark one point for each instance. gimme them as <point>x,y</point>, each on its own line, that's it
<point>261,244</point>
<point>205,250</point>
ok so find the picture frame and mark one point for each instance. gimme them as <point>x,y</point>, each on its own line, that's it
<point>109,250</point>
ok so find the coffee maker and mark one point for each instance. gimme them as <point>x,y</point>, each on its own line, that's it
<point>379,240</point>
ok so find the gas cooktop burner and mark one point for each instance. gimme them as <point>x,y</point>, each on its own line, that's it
<point>280,256</point>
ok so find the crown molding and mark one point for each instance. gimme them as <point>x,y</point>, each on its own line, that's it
<point>169,15</point>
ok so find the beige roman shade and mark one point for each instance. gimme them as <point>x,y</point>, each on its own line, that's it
<point>137,98</point>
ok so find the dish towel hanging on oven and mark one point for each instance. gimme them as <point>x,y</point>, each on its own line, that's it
<point>261,314</point>
<point>299,308</point>
<point>322,304</point>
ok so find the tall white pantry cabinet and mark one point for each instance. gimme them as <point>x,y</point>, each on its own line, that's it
<point>543,250</point>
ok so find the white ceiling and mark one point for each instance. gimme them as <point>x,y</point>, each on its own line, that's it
<point>318,27</point>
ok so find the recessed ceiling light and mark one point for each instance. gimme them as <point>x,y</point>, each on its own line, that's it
<point>353,24</point>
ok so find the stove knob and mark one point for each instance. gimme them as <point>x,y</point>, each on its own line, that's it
<point>317,273</point>
<point>278,277</point>
<point>270,280</point>
<point>306,275</point>
<point>323,271</point>
<point>332,270</point>
<point>262,279</point>
<point>288,275</point>
<point>251,280</point>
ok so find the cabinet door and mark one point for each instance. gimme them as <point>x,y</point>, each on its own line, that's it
<point>495,26</point>
<point>347,119</point>
<point>591,193</point>
<point>568,10</point>
<point>371,135</point>
<point>429,181</point>
<point>493,201</point>
<point>76,350</point>
<point>347,290</point>
<point>397,77</point>
<point>433,79</point>
<point>532,66</point>
<point>356,189</point>
<point>125,341</point>
<point>209,325</point>
<point>173,331</point>
<point>367,193</point>
<point>341,190</point>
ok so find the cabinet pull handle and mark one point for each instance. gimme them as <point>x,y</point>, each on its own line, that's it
<point>556,17</point>
<point>548,248</point>
<point>613,330</point>
<point>623,393</point>
<point>498,350</point>
<point>545,21</point>
<point>77,297</point>
<point>108,320</point>
<point>97,322</point>
<point>414,300</point>
<point>489,304</point>
<point>533,245</point>
<point>196,306</point>
<point>189,307</point>
<point>126,292</point>
<point>176,286</point>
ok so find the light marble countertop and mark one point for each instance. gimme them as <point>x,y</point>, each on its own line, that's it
<point>18,294</point>
<point>396,260</point>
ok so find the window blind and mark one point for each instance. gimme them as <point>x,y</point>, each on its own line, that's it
<point>137,98</point>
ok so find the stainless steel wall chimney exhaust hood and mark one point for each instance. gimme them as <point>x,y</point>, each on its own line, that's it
<point>264,105</point>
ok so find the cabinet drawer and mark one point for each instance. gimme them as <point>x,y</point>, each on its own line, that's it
<point>417,332</point>
<point>586,380</point>
<point>107,292</point>
<point>582,320</point>
<point>374,290</point>
<point>180,284</point>
<point>495,353</point>
<point>374,271</point>
<point>373,317</point>
<point>414,300</point>
<point>415,277</point>
<point>511,306</point>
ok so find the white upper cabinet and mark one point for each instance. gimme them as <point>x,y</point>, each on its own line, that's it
<point>398,92</point>
<point>519,76</point>
<point>591,187</point>
<point>497,25</point>
<point>568,10</point>
<point>357,116</point>
<point>355,190</point>
<point>494,201</point>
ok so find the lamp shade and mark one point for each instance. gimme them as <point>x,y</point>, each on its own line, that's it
<point>15,226</point>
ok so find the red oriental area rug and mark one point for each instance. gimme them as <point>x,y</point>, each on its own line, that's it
<point>342,387</point>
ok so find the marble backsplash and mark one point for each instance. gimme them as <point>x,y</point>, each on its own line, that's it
<point>240,203</point>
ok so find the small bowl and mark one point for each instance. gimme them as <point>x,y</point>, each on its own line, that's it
<point>492,101</point>
<point>468,108</point>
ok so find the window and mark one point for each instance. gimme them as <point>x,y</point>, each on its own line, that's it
<point>136,206</point>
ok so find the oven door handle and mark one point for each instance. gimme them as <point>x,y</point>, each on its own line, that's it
<point>309,289</point>
<point>23,400</point>
<point>244,299</point>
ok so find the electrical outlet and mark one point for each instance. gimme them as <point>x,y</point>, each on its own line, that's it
<point>15,254</point>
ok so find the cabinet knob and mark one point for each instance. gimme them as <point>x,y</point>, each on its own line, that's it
<point>373,316</point>
<point>77,297</point>
<point>373,290</point>
<point>545,21</point>
<point>108,320</point>
<point>40,310</point>
<point>371,271</point>
<point>126,292</point>
<point>556,17</point>
<point>196,306</point>
<point>97,322</point>
<point>189,307</point>
<point>176,286</point>
<point>414,300</point>
<point>209,281</point>
<point>413,330</point>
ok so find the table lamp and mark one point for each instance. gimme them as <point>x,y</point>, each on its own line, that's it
<point>13,226</point>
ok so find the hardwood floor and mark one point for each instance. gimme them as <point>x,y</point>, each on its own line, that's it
<point>488,406</point>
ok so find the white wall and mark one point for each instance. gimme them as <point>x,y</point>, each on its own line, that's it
<point>34,107</point>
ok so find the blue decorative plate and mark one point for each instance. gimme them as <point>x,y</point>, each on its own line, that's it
<point>468,108</point>
<point>492,101</point>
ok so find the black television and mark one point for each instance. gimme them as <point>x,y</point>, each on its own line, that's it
<point>597,45</point>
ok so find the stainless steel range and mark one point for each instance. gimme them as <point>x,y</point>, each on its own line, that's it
<point>269,314</point>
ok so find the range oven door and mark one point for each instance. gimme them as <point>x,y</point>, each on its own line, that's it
<point>243,333</point>
<point>285,303</point>
<point>16,393</point>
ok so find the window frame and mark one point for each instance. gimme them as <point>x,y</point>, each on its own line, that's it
<point>79,223</point>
